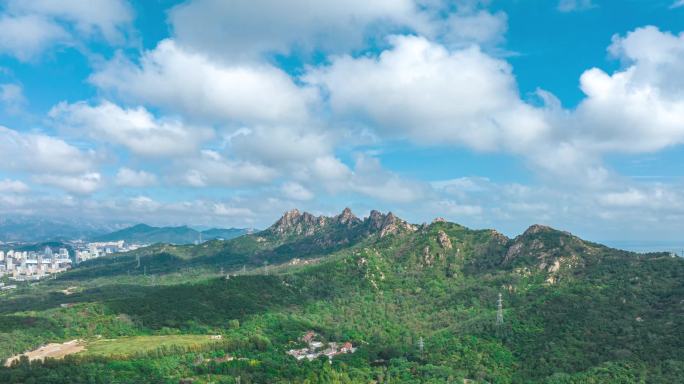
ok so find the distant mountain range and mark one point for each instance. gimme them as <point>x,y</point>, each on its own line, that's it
<point>35,230</point>
<point>146,234</point>
<point>29,229</point>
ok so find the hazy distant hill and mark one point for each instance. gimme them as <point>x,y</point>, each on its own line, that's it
<point>28,229</point>
<point>146,234</point>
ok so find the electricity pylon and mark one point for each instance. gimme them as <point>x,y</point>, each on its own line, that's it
<point>421,347</point>
<point>499,312</point>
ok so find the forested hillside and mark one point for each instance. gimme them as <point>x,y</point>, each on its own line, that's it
<point>146,234</point>
<point>418,302</point>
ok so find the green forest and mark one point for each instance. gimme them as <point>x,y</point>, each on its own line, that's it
<point>419,303</point>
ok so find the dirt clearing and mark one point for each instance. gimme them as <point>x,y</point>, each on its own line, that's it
<point>52,350</point>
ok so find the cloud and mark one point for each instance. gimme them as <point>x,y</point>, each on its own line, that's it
<point>224,210</point>
<point>370,179</point>
<point>282,146</point>
<point>127,177</point>
<point>213,169</point>
<point>367,178</point>
<point>248,28</point>
<point>677,4</point>
<point>39,153</point>
<point>575,5</point>
<point>144,204</point>
<point>80,184</point>
<point>185,81</point>
<point>480,27</point>
<point>106,17</point>
<point>136,129</point>
<point>651,197</point>
<point>203,211</point>
<point>27,36</point>
<point>639,108</point>
<point>13,186</point>
<point>421,91</point>
<point>296,191</point>
<point>454,209</point>
<point>12,96</point>
<point>31,27</point>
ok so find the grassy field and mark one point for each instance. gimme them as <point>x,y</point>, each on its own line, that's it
<point>125,346</point>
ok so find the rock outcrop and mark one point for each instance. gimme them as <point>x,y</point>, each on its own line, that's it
<point>443,240</point>
<point>549,251</point>
<point>296,223</point>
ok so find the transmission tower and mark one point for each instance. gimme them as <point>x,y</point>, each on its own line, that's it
<point>421,347</point>
<point>137,258</point>
<point>499,312</point>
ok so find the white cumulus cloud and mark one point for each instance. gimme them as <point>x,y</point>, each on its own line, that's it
<point>13,186</point>
<point>639,108</point>
<point>27,36</point>
<point>213,169</point>
<point>248,28</point>
<point>39,153</point>
<point>183,80</point>
<point>127,177</point>
<point>31,27</point>
<point>422,91</point>
<point>296,191</point>
<point>80,184</point>
<point>136,128</point>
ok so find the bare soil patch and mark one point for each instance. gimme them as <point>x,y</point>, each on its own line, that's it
<point>52,350</point>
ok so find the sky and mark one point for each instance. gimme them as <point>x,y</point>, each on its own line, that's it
<point>492,114</point>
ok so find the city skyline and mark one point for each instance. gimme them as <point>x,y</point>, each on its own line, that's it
<point>495,114</point>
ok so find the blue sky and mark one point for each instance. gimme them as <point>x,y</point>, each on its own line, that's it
<point>488,113</point>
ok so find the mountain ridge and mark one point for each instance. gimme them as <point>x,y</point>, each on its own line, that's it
<point>147,234</point>
<point>572,311</point>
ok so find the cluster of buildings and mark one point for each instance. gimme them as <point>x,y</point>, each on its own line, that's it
<point>31,265</point>
<point>87,251</point>
<point>316,348</point>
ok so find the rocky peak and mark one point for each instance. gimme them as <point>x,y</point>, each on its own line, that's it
<point>347,218</point>
<point>295,222</point>
<point>288,220</point>
<point>545,247</point>
<point>375,220</point>
<point>392,224</point>
<point>537,228</point>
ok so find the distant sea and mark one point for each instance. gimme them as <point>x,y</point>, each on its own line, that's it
<point>647,246</point>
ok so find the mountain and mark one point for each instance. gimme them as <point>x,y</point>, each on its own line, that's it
<point>225,233</point>
<point>431,303</point>
<point>29,229</point>
<point>295,235</point>
<point>145,234</point>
